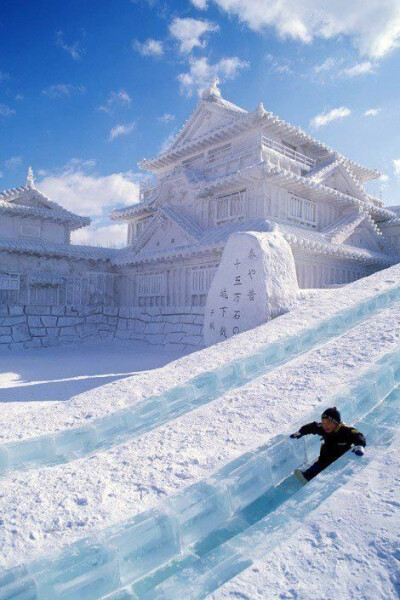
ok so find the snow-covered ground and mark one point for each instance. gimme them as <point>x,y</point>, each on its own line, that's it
<point>82,497</point>
<point>33,380</point>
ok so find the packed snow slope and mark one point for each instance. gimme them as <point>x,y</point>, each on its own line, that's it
<point>347,548</point>
<point>82,497</point>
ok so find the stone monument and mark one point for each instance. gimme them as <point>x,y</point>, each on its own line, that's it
<point>255,282</point>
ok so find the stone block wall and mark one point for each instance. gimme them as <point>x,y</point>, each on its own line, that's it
<point>159,325</point>
<point>42,326</point>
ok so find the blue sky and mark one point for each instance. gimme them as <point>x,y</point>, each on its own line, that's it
<point>88,88</point>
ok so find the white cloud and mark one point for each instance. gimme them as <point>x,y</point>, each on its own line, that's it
<point>328,65</point>
<point>149,48</point>
<point>13,162</point>
<point>201,72</point>
<point>6,111</point>
<point>363,68</point>
<point>166,118</point>
<point>4,76</point>
<point>280,66</point>
<point>115,100</point>
<point>121,130</point>
<point>200,4</point>
<point>372,112</point>
<point>190,31</point>
<point>373,26</point>
<point>327,117</point>
<point>1,174</point>
<point>396,165</point>
<point>101,235</point>
<point>80,190</point>
<point>74,50</point>
<point>63,90</point>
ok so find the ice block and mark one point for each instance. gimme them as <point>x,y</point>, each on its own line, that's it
<point>199,509</point>
<point>145,542</point>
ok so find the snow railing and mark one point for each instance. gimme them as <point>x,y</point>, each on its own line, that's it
<point>131,422</point>
<point>158,546</point>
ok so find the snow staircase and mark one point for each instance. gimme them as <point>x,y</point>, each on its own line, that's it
<point>198,539</point>
<point>153,412</point>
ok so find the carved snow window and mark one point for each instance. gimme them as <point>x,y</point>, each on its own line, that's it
<point>394,241</point>
<point>201,281</point>
<point>101,289</point>
<point>189,162</point>
<point>94,289</point>
<point>151,286</point>
<point>230,207</point>
<point>31,231</point>
<point>9,282</point>
<point>218,153</point>
<point>302,210</point>
<point>43,294</point>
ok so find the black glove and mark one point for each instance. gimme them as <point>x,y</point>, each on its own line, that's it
<point>296,435</point>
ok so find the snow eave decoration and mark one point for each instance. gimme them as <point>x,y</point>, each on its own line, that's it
<point>311,242</point>
<point>258,118</point>
<point>264,171</point>
<point>49,210</point>
<point>45,248</point>
<point>136,210</point>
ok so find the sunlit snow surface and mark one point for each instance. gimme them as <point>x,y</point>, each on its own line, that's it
<point>201,534</point>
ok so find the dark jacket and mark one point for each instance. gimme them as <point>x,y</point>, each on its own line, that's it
<point>336,443</point>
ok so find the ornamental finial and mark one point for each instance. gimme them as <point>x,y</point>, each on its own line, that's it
<point>259,111</point>
<point>212,90</point>
<point>30,179</point>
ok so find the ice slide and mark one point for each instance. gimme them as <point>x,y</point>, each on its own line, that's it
<point>132,422</point>
<point>197,540</point>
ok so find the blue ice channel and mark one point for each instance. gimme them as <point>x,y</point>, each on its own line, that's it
<point>133,421</point>
<point>196,540</point>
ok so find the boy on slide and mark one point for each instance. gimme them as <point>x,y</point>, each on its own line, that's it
<point>337,439</point>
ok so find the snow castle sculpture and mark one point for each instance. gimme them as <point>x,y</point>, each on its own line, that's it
<point>228,171</point>
<point>255,282</point>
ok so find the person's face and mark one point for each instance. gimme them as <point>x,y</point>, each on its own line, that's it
<point>328,426</point>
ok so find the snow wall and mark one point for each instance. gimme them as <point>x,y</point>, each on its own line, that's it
<point>255,282</point>
<point>23,326</point>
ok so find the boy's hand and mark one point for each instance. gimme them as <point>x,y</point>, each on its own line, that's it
<point>296,435</point>
<point>359,450</point>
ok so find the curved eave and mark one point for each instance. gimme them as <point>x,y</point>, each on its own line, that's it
<point>248,121</point>
<point>125,214</point>
<point>312,247</point>
<point>71,251</point>
<point>73,221</point>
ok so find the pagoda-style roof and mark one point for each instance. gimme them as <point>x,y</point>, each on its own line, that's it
<point>45,248</point>
<point>27,200</point>
<point>330,242</point>
<point>140,209</point>
<point>215,120</point>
